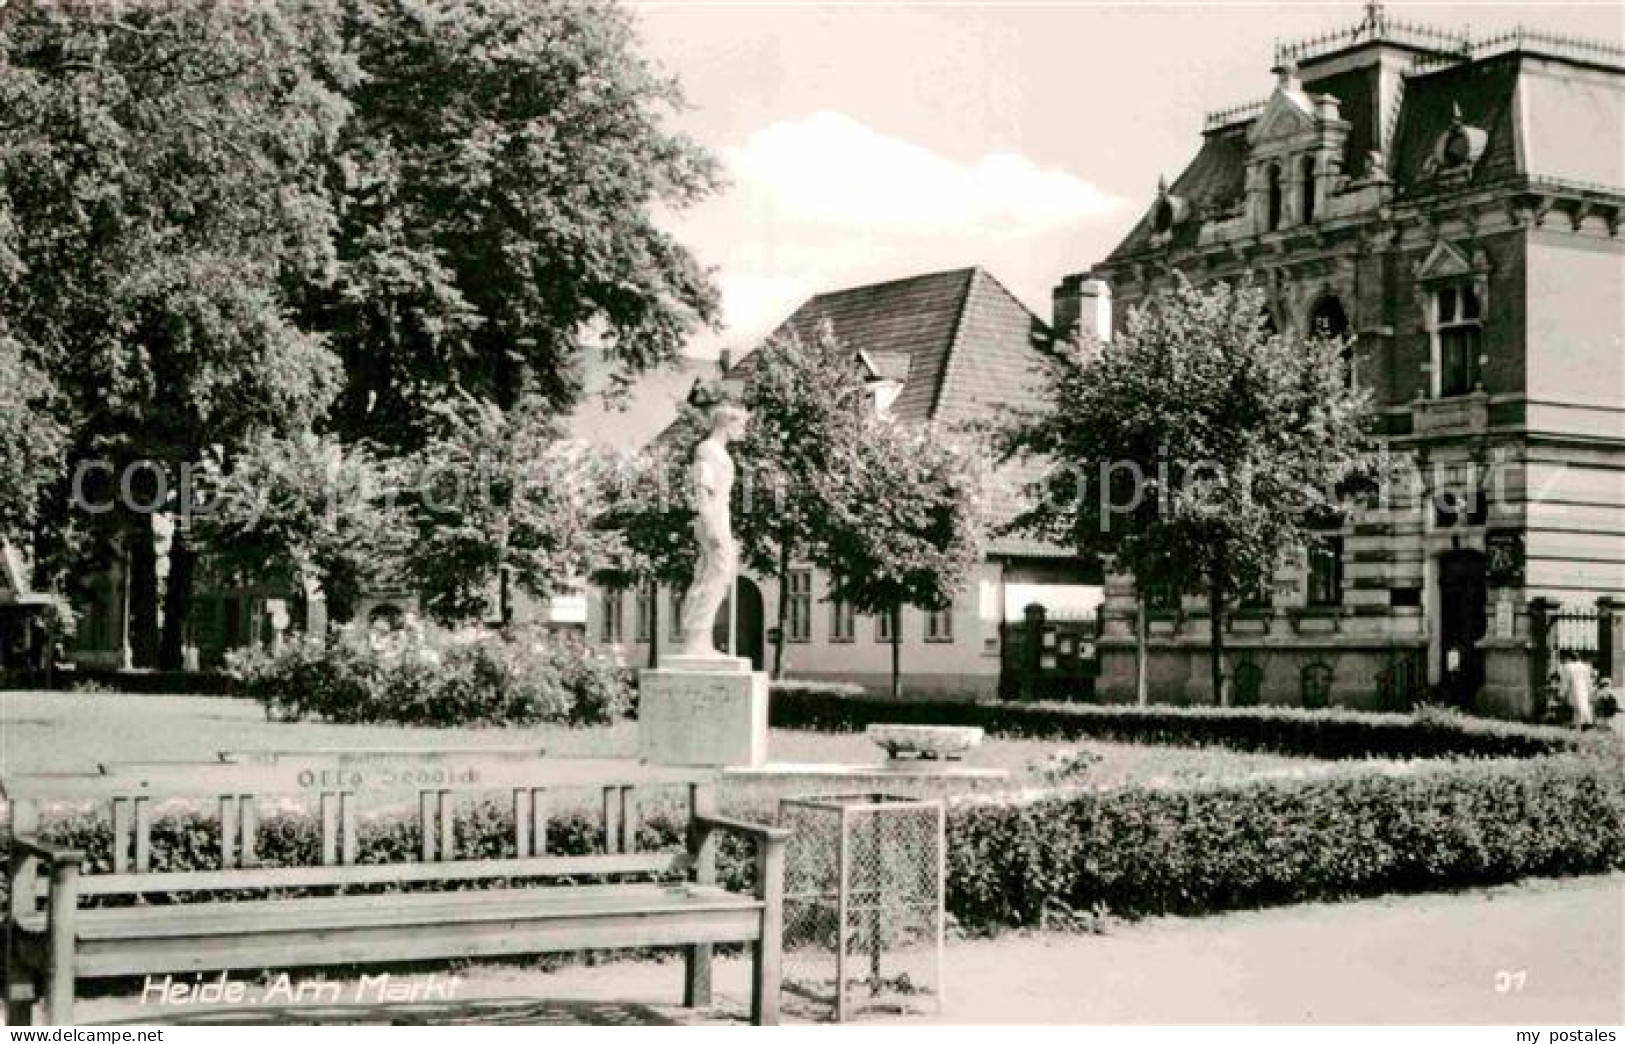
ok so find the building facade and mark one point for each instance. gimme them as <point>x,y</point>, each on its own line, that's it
<point>948,347</point>
<point>1455,208</point>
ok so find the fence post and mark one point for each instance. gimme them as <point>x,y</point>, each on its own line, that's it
<point>1032,650</point>
<point>1540,651</point>
<point>1611,639</point>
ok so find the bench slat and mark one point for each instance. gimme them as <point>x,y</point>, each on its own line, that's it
<point>143,835</point>
<point>229,831</point>
<point>386,943</point>
<point>404,773</point>
<point>123,820</point>
<point>382,873</point>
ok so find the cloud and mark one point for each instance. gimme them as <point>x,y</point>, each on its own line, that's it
<point>825,202</point>
<point>830,169</point>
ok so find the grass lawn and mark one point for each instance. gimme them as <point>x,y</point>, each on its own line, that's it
<point>74,732</point>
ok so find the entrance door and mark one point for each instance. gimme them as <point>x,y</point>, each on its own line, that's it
<point>749,643</point>
<point>1461,625</point>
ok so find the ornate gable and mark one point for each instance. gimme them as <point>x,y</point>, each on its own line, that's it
<point>1288,114</point>
<point>1443,262</point>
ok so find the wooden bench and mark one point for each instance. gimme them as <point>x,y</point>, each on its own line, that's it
<point>646,898</point>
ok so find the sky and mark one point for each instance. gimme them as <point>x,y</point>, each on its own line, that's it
<point>865,141</point>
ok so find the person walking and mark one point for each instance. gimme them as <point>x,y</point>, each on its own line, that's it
<point>1575,686</point>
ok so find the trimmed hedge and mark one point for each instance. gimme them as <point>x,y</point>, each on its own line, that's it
<point>1135,850</point>
<point>1329,734</point>
<point>1365,831</point>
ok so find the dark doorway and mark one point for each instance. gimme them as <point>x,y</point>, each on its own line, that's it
<point>750,643</point>
<point>1461,625</point>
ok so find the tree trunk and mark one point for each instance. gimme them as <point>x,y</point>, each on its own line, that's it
<point>1215,600</point>
<point>897,652</point>
<point>1142,641</point>
<point>177,602</point>
<point>143,583</point>
<point>783,612</point>
<point>654,626</point>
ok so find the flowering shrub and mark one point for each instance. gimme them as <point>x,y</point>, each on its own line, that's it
<point>425,676</point>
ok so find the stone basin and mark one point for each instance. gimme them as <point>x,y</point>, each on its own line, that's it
<point>930,742</point>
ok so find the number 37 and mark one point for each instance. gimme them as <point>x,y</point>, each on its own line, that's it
<point>1510,981</point>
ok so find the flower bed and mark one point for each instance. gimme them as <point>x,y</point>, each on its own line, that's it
<point>422,676</point>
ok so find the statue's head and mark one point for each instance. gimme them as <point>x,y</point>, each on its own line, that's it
<point>726,417</point>
<point>728,420</point>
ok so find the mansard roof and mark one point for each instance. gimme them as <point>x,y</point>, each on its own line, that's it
<point>1536,108</point>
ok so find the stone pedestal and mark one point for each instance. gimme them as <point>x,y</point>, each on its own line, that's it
<point>703,710</point>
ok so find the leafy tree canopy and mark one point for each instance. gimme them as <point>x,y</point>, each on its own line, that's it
<point>1195,445</point>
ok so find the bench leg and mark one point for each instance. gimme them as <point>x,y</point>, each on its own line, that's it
<point>697,976</point>
<point>59,994</point>
<point>764,982</point>
<point>20,1001</point>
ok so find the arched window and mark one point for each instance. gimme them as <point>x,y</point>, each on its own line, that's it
<point>1273,179</point>
<point>1306,186</point>
<point>1328,318</point>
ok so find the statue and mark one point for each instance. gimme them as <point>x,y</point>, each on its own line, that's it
<point>712,476</point>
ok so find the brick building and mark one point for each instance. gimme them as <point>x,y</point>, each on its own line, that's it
<point>1455,206</point>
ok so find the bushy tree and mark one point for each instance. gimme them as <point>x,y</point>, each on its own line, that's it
<point>496,188</point>
<point>307,511</point>
<point>163,181</point>
<point>1196,447</point>
<point>222,220</point>
<point>31,440</point>
<point>904,524</point>
<point>649,515</point>
<point>501,492</point>
<point>807,402</point>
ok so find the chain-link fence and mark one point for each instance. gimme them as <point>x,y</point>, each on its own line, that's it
<point>863,905</point>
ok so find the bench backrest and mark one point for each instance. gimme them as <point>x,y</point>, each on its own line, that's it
<point>334,784</point>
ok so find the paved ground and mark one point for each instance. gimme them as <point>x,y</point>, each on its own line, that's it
<point>1435,959</point>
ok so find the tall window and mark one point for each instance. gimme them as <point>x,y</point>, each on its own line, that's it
<point>842,622</point>
<point>645,608</point>
<point>798,607</point>
<point>1273,178</point>
<point>678,597</point>
<point>1326,571</point>
<point>883,627</point>
<point>939,625</point>
<point>614,619</point>
<point>1306,188</point>
<point>1458,329</point>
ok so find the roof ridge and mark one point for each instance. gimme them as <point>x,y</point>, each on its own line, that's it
<point>952,355</point>
<point>916,278</point>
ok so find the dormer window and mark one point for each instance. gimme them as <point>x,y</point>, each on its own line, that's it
<point>1273,215</point>
<point>1457,338</point>
<point>1306,185</point>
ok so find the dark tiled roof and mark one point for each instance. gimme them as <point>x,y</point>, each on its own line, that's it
<point>1356,94</point>
<point>966,343</point>
<point>968,349</point>
<point>1484,92</point>
<point>1215,179</point>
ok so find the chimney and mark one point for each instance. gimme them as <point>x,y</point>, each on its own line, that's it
<point>1095,309</point>
<point>724,362</point>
